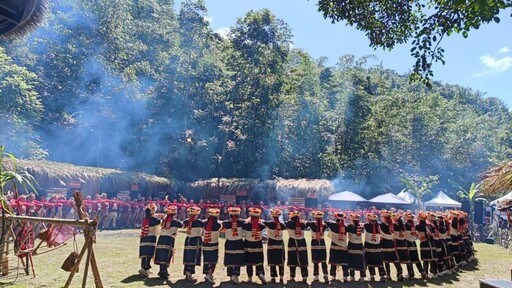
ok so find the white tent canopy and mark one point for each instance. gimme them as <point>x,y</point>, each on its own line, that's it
<point>506,197</point>
<point>390,198</point>
<point>407,196</point>
<point>442,200</point>
<point>346,196</point>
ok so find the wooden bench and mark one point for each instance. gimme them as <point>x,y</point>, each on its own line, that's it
<point>495,283</point>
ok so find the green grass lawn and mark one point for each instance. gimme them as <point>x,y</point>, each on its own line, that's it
<point>117,255</point>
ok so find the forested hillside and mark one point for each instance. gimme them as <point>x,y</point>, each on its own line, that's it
<point>149,86</point>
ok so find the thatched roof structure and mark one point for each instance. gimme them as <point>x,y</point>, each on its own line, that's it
<point>497,180</point>
<point>279,187</point>
<point>93,179</point>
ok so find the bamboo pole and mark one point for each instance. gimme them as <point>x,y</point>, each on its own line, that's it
<point>77,264</point>
<point>87,261</point>
<point>71,222</point>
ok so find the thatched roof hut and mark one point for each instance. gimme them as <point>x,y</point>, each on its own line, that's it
<point>267,190</point>
<point>497,180</point>
<point>90,180</point>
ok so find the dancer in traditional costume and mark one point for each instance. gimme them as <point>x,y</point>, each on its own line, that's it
<point>210,246</point>
<point>338,251</point>
<point>234,253</point>
<point>275,245</point>
<point>387,241</point>
<point>411,237</point>
<point>444,257</point>
<point>253,245</point>
<point>456,239</point>
<point>372,248</point>
<point>318,249</point>
<point>149,232</point>
<point>193,243</point>
<point>355,248</point>
<point>165,245</point>
<point>400,243</point>
<point>427,245</point>
<point>297,247</point>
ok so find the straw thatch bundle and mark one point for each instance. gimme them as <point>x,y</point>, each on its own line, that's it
<point>497,180</point>
<point>55,174</point>
<point>279,187</point>
<point>221,186</point>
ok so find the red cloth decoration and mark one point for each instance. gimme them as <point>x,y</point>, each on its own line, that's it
<point>341,226</point>
<point>320,229</point>
<point>374,231</point>
<point>255,221</point>
<point>208,230</point>
<point>167,222</point>
<point>413,228</point>
<point>298,230</point>
<point>189,226</point>
<point>234,226</point>
<point>145,227</point>
<point>278,226</point>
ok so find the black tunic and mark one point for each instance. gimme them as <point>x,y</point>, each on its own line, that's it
<point>400,243</point>
<point>193,243</point>
<point>427,245</point>
<point>253,244</point>
<point>411,236</point>
<point>148,243</point>
<point>355,248</point>
<point>338,251</point>
<point>234,253</point>
<point>318,249</point>
<point>372,247</point>
<point>165,245</point>
<point>211,248</point>
<point>275,244</point>
<point>297,247</point>
<point>389,254</point>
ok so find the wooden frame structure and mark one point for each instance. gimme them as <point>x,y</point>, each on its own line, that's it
<point>89,230</point>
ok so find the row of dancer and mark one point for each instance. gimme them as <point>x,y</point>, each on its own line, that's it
<point>354,247</point>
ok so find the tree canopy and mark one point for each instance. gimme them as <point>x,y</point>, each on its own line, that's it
<point>148,86</point>
<point>425,23</point>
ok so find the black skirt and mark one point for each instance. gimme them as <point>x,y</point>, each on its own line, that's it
<point>210,253</point>
<point>373,255</point>
<point>147,246</point>
<point>389,254</point>
<point>297,253</point>
<point>192,251</point>
<point>402,251</point>
<point>355,256</point>
<point>318,251</point>
<point>413,252</point>
<point>428,250</point>
<point>338,255</point>
<point>253,253</point>
<point>164,250</point>
<point>234,253</point>
<point>275,255</point>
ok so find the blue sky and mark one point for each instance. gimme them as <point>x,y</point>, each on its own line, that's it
<point>482,62</point>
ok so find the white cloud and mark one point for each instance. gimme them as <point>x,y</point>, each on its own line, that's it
<point>223,32</point>
<point>504,50</point>
<point>497,64</point>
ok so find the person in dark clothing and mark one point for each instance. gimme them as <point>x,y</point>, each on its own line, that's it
<point>148,235</point>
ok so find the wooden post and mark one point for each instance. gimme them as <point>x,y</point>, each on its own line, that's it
<point>87,261</point>
<point>78,260</point>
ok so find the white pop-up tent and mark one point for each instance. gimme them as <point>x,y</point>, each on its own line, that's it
<point>506,197</point>
<point>442,200</point>
<point>391,199</point>
<point>407,196</point>
<point>346,196</point>
<point>346,199</point>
